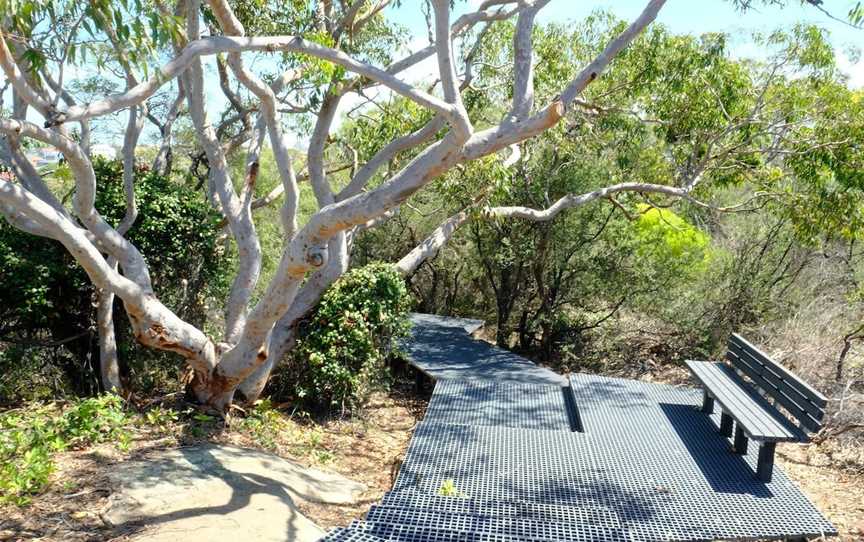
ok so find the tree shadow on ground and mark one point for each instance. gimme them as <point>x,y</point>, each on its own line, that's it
<point>202,465</point>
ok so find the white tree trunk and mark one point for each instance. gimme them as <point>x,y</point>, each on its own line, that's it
<point>316,254</point>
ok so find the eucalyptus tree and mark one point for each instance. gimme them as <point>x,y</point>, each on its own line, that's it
<point>329,51</point>
<point>781,132</point>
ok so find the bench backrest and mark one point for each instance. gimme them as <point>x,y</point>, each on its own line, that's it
<point>797,397</point>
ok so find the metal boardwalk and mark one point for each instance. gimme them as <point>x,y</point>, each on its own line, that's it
<point>598,459</point>
<point>443,349</point>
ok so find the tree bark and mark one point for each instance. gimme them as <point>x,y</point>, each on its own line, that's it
<point>109,362</point>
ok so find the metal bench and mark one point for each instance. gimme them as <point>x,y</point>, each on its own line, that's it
<point>746,403</point>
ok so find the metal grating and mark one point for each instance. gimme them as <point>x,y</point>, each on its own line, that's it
<point>466,325</point>
<point>394,532</point>
<point>497,508</point>
<point>519,528</point>
<point>647,455</point>
<point>647,465</point>
<point>442,348</point>
<point>355,533</point>
<point>504,405</point>
<point>489,527</point>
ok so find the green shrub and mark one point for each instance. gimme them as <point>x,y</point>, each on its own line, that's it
<point>665,238</point>
<point>30,437</point>
<point>341,348</point>
<point>264,423</point>
<point>161,418</point>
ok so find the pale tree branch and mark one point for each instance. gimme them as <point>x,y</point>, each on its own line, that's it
<point>109,362</point>
<point>231,25</point>
<point>153,323</point>
<point>430,246</point>
<point>19,81</point>
<point>232,44</point>
<point>113,242</point>
<point>239,217</point>
<point>59,227</point>
<point>317,142</point>
<point>599,64</point>
<point>162,162</point>
<point>21,166</point>
<point>70,101</point>
<point>523,61</point>
<point>387,153</point>
<point>459,119</point>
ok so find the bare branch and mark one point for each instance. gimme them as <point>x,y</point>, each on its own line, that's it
<point>432,244</point>
<point>387,153</point>
<point>239,217</point>
<point>265,93</point>
<point>133,263</point>
<point>225,44</point>
<point>523,62</point>
<point>447,70</point>
<point>20,83</point>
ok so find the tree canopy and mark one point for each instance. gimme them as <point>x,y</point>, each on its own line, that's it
<point>523,126</point>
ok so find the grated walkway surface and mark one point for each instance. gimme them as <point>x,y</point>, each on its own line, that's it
<point>443,349</point>
<point>504,405</point>
<point>602,459</point>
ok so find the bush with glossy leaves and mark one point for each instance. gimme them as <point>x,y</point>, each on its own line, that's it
<point>342,346</point>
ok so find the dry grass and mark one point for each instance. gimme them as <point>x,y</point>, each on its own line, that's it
<point>837,492</point>
<point>369,450</point>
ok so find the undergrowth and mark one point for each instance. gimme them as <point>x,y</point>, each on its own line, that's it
<point>272,430</point>
<point>31,436</point>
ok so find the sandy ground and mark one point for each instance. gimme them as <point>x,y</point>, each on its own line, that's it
<point>837,493</point>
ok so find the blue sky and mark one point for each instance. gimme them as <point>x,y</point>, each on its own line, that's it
<point>680,16</point>
<point>690,16</point>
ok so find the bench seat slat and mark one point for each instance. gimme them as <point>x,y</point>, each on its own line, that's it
<point>794,406</point>
<point>735,400</point>
<point>759,419</point>
<point>732,400</point>
<point>724,392</point>
<point>788,377</point>
<point>754,414</point>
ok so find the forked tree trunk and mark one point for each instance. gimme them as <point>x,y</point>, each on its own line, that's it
<point>257,333</point>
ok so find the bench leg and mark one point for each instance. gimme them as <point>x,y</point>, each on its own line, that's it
<point>765,465</point>
<point>726,425</point>
<point>707,403</point>
<point>740,440</point>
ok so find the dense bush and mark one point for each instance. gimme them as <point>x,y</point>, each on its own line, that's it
<point>341,348</point>
<point>47,303</point>
<point>665,238</point>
